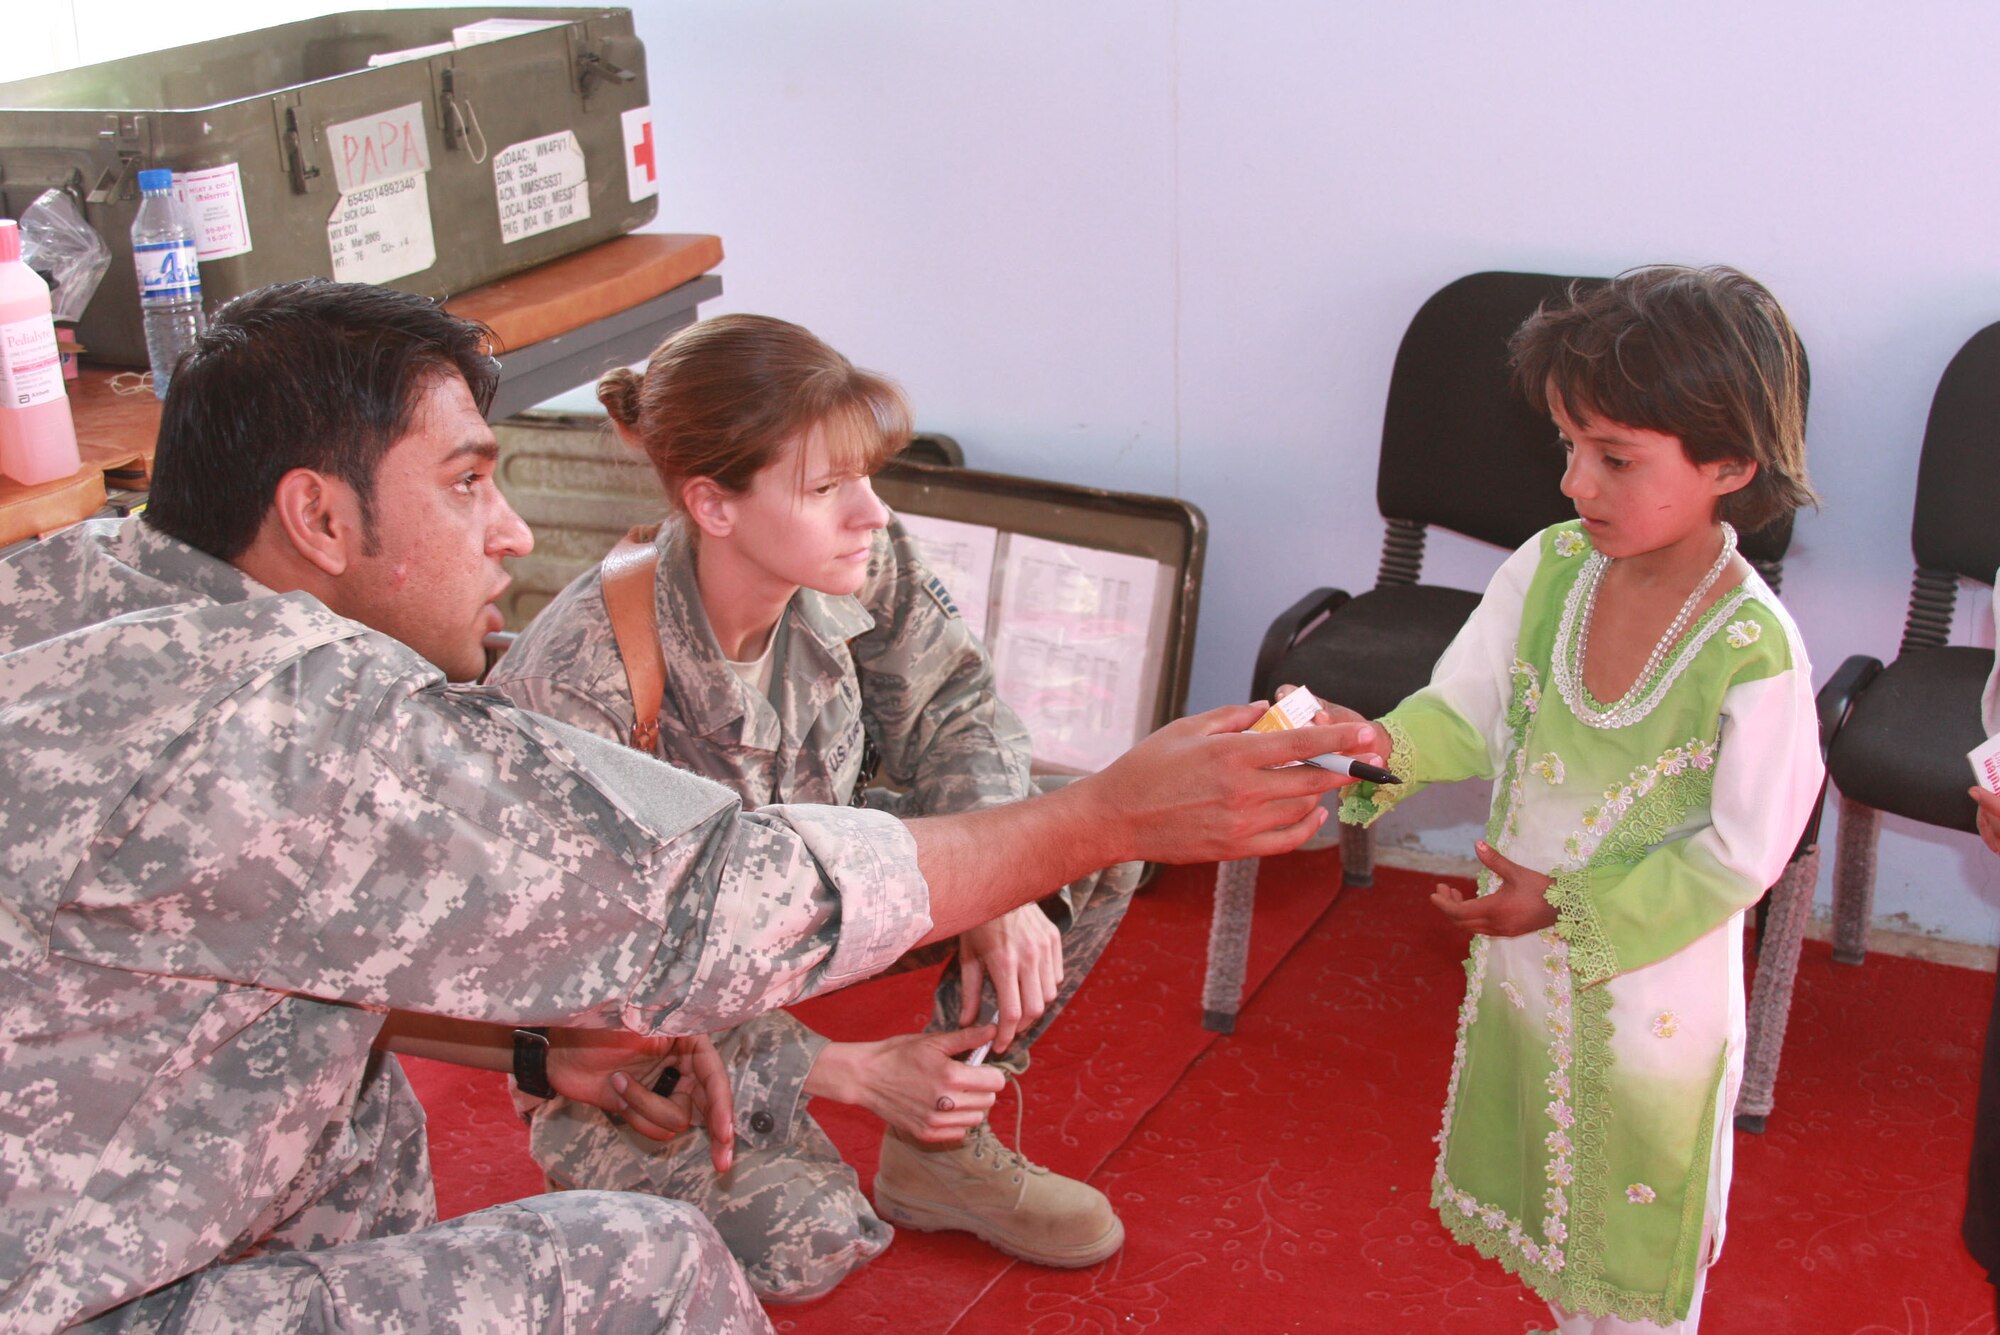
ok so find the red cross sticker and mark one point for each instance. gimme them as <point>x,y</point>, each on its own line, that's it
<point>642,152</point>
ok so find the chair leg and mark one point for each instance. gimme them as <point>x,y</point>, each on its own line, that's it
<point>1228,944</point>
<point>1789,906</point>
<point>1357,855</point>
<point>1854,880</point>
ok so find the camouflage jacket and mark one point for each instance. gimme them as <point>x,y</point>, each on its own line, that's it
<point>895,660</point>
<point>236,827</point>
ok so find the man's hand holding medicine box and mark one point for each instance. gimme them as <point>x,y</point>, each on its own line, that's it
<point>1296,710</point>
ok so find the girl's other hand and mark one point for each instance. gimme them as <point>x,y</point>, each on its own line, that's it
<point>1518,905</point>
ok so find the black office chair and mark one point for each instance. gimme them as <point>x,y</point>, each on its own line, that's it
<point>1460,449</point>
<point>1907,727</point>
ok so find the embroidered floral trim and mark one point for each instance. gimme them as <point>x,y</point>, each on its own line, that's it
<point>1365,803</point>
<point>1683,787</point>
<point>1525,701</point>
<point>1503,821</point>
<point>1570,542</point>
<point>1592,959</point>
<point>1743,634</point>
<point>1636,814</point>
<point>1641,1194</point>
<point>1475,980</point>
<point>1666,1024</point>
<point>1550,767</point>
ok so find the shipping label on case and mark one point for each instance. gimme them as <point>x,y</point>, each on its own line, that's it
<point>540,185</point>
<point>30,367</point>
<point>212,202</point>
<point>383,232</point>
<point>168,270</point>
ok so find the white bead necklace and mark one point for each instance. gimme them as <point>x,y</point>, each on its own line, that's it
<point>1575,631</point>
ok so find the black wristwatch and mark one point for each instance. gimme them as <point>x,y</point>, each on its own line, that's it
<point>531,1063</point>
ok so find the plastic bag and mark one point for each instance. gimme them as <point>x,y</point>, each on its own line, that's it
<point>56,240</point>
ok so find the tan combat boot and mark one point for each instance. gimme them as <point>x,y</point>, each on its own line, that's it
<point>990,1191</point>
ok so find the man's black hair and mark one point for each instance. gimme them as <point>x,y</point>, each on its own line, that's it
<point>311,374</point>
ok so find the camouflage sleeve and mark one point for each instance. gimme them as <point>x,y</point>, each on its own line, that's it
<point>927,690</point>
<point>394,843</point>
<point>566,664</point>
<point>769,1060</point>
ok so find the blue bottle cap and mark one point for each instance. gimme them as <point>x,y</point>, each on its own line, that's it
<point>156,178</point>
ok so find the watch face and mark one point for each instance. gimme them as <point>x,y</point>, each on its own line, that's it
<point>531,1055</point>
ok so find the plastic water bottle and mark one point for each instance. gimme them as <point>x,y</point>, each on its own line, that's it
<point>169,276</point>
<point>37,436</point>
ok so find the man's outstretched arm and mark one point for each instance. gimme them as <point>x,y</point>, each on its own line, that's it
<point>1198,790</point>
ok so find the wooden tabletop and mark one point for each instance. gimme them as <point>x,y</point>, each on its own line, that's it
<point>115,432</point>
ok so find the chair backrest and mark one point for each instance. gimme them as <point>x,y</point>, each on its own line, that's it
<point>1957,523</point>
<point>1953,533</point>
<point>1460,446</point>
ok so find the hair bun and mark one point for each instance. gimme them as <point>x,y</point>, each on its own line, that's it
<point>618,391</point>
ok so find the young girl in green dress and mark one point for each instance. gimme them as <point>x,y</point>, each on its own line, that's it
<point>1645,707</point>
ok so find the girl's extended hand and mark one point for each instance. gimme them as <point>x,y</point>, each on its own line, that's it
<point>912,1081</point>
<point>1329,712</point>
<point>1519,905</point>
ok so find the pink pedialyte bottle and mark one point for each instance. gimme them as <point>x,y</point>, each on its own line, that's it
<point>37,437</point>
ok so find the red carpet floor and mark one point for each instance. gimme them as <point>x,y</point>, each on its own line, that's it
<point>1277,1180</point>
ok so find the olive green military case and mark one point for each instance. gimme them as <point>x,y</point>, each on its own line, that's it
<point>444,168</point>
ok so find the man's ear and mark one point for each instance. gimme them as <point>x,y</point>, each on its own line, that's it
<point>320,517</point>
<point>710,506</point>
<point>1733,474</point>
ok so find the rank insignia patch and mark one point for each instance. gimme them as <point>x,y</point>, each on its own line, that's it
<point>935,588</point>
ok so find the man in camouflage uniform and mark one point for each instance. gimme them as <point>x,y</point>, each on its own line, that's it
<point>894,663</point>
<point>244,816</point>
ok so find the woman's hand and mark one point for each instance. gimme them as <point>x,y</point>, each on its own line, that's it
<point>1020,954</point>
<point>1518,905</point>
<point>912,1081</point>
<point>616,1071</point>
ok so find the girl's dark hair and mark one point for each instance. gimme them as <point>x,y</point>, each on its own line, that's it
<point>721,399</point>
<point>311,374</point>
<point>1706,355</point>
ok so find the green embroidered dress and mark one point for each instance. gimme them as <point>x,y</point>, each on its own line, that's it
<point>1597,1062</point>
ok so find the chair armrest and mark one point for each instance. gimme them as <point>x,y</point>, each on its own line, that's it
<point>1834,703</point>
<point>1284,632</point>
<point>1836,699</point>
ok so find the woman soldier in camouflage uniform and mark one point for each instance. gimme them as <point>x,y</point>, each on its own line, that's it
<point>799,628</point>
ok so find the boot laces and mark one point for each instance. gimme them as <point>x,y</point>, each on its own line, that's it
<point>983,1141</point>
